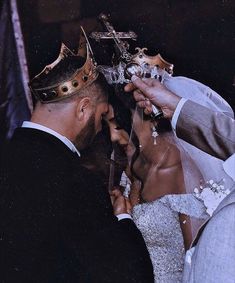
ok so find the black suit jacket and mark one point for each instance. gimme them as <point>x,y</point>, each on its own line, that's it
<point>57,223</point>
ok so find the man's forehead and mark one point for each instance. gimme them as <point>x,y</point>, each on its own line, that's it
<point>101,98</point>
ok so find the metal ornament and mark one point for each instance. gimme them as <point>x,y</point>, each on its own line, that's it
<point>80,79</point>
<point>118,37</point>
<point>155,134</point>
<point>139,64</point>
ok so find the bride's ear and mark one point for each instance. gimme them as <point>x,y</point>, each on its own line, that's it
<point>84,108</point>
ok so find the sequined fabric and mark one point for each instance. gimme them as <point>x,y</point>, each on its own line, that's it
<point>159,224</point>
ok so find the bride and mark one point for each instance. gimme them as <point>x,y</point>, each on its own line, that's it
<point>162,169</point>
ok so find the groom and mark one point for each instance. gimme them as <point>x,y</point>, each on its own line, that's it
<point>212,257</point>
<point>57,223</point>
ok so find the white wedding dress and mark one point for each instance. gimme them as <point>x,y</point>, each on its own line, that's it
<point>159,224</point>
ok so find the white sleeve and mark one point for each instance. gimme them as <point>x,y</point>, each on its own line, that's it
<point>187,204</point>
<point>123,216</point>
<point>177,113</point>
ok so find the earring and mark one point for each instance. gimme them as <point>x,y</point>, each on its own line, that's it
<point>154,134</point>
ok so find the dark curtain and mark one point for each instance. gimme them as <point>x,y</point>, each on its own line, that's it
<point>13,104</point>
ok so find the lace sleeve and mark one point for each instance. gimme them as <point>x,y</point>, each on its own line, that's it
<point>187,204</point>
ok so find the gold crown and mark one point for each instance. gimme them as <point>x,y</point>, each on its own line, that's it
<point>138,64</point>
<point>141,64</point>
<point>81,78</point>
<point>141,58</point>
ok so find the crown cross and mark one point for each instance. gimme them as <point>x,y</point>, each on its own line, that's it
<point>109,35</point>
<point>118,37</point>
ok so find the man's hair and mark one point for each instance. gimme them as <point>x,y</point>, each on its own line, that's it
<point>98,88</point>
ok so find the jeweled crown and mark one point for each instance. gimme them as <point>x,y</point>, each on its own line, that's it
<point>139,64</point>
<point>142,59</point>
<point>80,79</point>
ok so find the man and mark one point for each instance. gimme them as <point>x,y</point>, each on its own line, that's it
<point>212,258</point>
<point>57,221</point>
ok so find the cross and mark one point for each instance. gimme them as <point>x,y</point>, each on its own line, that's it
<point>116,36</point>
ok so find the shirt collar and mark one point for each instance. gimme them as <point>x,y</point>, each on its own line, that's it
<point>67,142</point>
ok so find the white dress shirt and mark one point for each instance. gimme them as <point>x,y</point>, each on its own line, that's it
<point>177,113</point>
<point>68,143</point>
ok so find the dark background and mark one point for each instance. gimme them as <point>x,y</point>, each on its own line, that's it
<point>198,37</point>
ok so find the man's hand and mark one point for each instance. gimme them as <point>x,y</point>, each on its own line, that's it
<point>150,91</point>
<point>120,204</point>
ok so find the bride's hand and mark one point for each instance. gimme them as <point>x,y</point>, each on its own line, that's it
<point>120,204</point>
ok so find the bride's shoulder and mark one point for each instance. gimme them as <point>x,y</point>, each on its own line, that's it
<point>185,203</point>
<point>176,199</point>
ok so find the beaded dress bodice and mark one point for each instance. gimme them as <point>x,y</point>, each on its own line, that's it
<point>159,224</point>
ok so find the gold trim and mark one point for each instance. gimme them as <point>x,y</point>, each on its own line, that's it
<point>80,80</point>
<point>141,58</point>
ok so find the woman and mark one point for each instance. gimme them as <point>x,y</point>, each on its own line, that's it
<point>160,205</point>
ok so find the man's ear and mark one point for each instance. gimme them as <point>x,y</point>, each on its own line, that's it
<point>83,108</point>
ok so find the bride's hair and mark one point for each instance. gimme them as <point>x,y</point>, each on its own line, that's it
<point>121,111</point>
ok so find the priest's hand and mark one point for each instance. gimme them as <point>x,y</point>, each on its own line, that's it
<point>150,91</point>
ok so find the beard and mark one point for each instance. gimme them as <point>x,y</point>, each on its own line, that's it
<point>87,134</point>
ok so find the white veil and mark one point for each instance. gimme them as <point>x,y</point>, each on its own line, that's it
<point>199,93</point>
<point>210,167</point>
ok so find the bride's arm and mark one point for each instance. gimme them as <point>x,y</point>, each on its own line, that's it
<point>185,222</point>
<point>185,225</point>
<point>135,192</point>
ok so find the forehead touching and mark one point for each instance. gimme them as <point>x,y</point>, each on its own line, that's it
<point>119,112</point>
<point>110,117</point>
